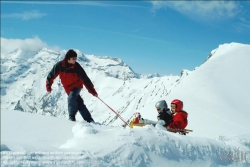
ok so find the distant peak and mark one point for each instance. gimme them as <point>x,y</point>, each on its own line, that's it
<point>111,58</point>
<point>150,75</point>
<point>49,51</point>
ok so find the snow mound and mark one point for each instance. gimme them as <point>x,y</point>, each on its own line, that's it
<point>150,146</point>
<point>59,142</point>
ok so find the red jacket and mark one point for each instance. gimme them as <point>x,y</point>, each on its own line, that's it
<point>72,76</point>
<point>179,120</point>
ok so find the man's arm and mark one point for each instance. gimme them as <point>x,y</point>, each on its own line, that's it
<point>86,81</point>
<point>51,76</point>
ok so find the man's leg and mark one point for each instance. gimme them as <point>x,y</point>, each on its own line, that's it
<point>72,103</point>
<point>83,110</point>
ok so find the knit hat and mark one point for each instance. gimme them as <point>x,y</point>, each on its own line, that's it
<point>70,53</point>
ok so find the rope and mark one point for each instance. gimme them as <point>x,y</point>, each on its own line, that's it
<point>114,112</point>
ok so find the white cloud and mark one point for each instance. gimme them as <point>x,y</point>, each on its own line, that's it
<point>28,44</point>
<point>201,9</point>
<point>32,44</point>
<point>27,15</point>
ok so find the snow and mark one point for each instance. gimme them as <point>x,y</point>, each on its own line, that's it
<point>215,95</point>
<point>43,140</point>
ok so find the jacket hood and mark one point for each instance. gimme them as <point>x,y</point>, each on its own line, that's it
<point>179,105</point>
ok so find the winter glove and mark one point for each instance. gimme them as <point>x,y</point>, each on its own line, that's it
<point>48,87</point>
<point>95,94</point>
<point>92,91</point>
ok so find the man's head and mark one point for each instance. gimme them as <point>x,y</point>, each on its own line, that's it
<point>71,56</point>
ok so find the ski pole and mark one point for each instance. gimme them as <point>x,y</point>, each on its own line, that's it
<point>114,111</point>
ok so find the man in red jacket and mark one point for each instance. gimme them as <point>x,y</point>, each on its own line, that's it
<point>73,77</point>
<point>178,115</point>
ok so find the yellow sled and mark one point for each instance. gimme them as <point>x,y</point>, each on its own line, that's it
<point>182,131</point>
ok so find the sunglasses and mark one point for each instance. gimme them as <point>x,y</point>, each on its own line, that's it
<point>74,58</point>
<point>158,109</point>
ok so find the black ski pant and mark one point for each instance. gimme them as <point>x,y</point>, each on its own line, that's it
<point>76,103</point>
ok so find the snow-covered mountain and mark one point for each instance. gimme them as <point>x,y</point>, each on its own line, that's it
<point>215,95</point>
<point>24,71</point>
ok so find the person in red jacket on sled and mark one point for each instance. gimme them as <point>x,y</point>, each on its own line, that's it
<point>179,116</point>
<point>174,120</point>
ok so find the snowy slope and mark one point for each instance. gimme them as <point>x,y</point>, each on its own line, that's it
<point>22,131</point>
<point>30,139</point>
<point>215,94</point>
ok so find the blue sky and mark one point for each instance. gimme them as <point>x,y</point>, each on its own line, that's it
<point>150,36</point>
